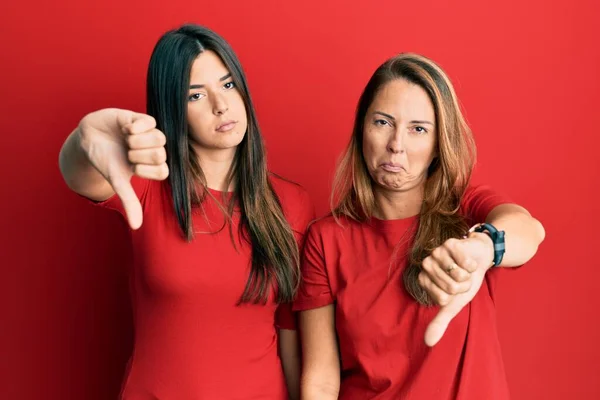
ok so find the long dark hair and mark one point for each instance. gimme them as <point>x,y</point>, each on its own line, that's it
<point>448,174</point>
<point>263,224</point>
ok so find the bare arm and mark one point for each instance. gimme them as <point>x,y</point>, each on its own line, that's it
<point>79,173</point>
<point>321,364</point>
<point>289,349</point>
<point>523,233</point>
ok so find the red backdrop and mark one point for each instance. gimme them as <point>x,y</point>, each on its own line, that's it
<point>526,73</point>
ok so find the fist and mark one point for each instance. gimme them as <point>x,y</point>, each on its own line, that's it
<point>120,144</point>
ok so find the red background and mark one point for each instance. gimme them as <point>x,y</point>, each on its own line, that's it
<point>527,74</point>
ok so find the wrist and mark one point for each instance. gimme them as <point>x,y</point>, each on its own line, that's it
<point>488,244</point>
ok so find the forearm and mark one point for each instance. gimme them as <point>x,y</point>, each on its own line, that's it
<point>78,173</point>
<point>290,361</point>
<point>523,233</point>
<point>318,387</point>
<point>320,357</point>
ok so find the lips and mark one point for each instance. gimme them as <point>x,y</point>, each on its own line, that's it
<point>391,167</point>
<point>226,126</point>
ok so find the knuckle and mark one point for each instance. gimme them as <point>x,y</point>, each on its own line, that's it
<point>427,264</point>
<point>437,252</point>
<point>130,140</point>
<point>163,155</point>
<point>164,171</point>
<point>443,299</point>
<point>156,157</point>
<point>452,288</point>
<point>451,242</point>
<point>161,138</point>
<point>462,276</point>
<point>422,278</point>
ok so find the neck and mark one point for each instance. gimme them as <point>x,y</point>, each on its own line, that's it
<point>216,166</point>
<point>398,205</point>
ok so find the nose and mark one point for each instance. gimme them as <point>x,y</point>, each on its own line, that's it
<point>220,105</point>
<point>396,143</point>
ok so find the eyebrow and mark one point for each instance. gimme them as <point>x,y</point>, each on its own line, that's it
<point>393,119</point>
<point>220,80</point>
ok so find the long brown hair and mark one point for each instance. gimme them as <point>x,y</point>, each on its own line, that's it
<point>448,174</point>
<point>263,224</point>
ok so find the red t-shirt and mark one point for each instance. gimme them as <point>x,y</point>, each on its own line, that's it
<point>191,340</point>
<point>380,328</point>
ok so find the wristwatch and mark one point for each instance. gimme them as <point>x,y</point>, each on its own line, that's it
<point>497,238</point>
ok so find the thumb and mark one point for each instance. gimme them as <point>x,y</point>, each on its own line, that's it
<point>437,327</point>
<point>131,203</point>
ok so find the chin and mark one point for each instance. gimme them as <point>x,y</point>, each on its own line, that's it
<point>229,142</point>
<point>234,143</point>
<point>392,187</point>
<point>393,182</point>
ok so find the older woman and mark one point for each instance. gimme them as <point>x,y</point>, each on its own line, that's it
<point>409,253</point>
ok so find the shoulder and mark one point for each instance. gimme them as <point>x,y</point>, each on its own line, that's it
<point>295,202</point>
<point>479,200</point>
<point>287,190</point>
<point>477,193</point>
<point>330,226</point>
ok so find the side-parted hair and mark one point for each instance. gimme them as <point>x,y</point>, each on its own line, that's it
<point>448,175</point>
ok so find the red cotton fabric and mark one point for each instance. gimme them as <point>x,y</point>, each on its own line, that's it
<point>381,328</point>
<point>191,339</point>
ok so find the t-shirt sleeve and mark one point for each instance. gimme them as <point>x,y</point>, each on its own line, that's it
<point>140,186</point>
<point>315,289</point>
<point>479,201</point>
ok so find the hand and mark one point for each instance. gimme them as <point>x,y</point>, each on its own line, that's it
<point>447,271</point>
<point>119,144</point>
<point>473,257</point>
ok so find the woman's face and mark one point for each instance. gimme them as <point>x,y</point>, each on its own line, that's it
<point>399,141</point>
<point>216,113</point>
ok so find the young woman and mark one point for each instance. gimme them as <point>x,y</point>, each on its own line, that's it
<point>403,236</point>
<point>215,235</point>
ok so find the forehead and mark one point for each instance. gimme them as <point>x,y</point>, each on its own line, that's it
<point>207,68</point>
<point>403,99</point>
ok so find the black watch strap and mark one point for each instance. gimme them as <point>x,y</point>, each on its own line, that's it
<point>497,238</point>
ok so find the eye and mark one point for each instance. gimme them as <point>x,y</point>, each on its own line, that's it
<point>380,122</point>
<point>420,130</point>
<point>195,97</point>
<point>229,85</point>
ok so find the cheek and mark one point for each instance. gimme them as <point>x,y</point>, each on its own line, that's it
<point>374,146</point>
<point>197,122</point>
<point>422,153</point>
<point>370,146</point>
